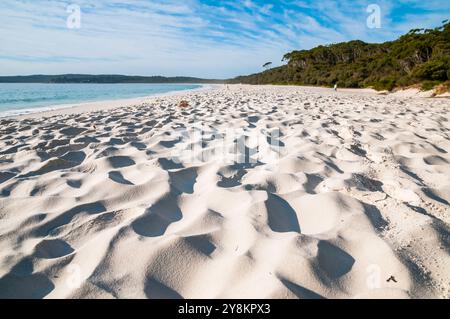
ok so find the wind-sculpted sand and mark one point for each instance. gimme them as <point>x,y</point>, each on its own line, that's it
<point>341,195</point>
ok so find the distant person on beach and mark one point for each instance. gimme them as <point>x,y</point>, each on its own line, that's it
<point>335,86</point>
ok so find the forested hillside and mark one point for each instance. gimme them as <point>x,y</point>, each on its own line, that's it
<point>421,56</point>
<point>107,78</point>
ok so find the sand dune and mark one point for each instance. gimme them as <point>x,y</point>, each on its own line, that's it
<point>118,203</point>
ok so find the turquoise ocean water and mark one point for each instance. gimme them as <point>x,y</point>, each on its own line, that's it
<point>23,98</point>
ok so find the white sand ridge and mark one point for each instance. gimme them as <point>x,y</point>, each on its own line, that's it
<point>354,204</point>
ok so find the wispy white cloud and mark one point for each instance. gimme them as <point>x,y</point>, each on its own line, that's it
<point>188,37</point>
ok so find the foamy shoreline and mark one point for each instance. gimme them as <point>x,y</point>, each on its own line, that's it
<point>313,194</point>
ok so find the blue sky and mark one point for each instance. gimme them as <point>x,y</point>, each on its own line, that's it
<point>204,38</point>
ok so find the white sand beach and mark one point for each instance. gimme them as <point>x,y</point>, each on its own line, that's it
<point>334,195</point>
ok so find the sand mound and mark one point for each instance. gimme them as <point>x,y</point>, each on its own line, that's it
<point>331,195</point>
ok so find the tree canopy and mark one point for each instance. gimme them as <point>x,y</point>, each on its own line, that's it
<point>422,56</point>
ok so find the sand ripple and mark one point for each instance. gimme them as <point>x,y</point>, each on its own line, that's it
<point>354,204</point>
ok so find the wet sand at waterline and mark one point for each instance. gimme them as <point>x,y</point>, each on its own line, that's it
<point>344,195</point>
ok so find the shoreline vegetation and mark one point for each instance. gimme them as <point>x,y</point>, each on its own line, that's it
<point>104,79</point>
<point>419,59</point>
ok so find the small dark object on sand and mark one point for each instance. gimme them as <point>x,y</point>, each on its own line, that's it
<point>391,278</point>
<point>183,104</point>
